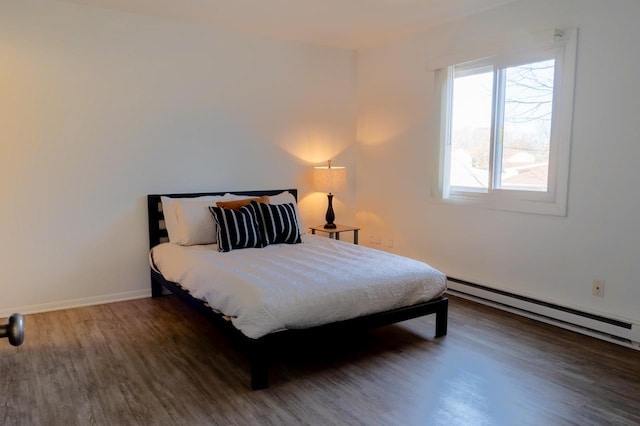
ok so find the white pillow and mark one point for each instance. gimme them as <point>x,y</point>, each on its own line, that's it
<point>285,198</point>
<point>195,223</point>
<point>170,219</point>
<point>171,216</point>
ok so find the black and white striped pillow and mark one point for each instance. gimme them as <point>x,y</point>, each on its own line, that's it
<point>278,223</point>
<point>237,228</point>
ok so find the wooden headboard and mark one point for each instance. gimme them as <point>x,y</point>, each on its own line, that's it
<point>157,229</point>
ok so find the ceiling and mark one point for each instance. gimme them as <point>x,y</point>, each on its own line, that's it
<point>349,24</point>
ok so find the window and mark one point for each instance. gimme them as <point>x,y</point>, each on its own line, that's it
<point>506,128</point>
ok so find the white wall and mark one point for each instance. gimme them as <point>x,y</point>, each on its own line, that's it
<point>99,108</point>
<point>546,257</point>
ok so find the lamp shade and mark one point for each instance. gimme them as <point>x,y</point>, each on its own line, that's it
<point>330,178</point>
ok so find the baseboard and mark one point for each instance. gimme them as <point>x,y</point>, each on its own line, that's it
<point>76,303</point>
<point>616,330</point>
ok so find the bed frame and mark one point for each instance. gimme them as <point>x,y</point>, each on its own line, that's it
<point>260,350</point>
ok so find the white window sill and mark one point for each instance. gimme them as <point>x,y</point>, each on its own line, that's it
<point>545,207</point>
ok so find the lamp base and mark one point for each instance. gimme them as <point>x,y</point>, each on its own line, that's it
<point>330,216</point>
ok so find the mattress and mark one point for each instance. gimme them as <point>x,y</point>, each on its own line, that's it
<point>293,286</point>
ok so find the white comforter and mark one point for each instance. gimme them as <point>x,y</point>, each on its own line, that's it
<point>286,286</point>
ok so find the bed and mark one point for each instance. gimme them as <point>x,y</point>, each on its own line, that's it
<point>265,295</point>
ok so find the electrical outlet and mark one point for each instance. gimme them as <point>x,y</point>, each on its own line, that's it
<point>390,241</point>
<point>375,238</point>
<point>598,288</point>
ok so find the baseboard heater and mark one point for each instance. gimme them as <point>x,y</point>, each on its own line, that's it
<point>606,328</point>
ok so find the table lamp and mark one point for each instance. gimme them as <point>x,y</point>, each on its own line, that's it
<point>329,179</point>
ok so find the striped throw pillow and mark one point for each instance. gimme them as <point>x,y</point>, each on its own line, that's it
<point>278,223</point>
<point>237,228</point>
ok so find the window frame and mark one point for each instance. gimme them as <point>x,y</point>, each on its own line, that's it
<point>562,48</point>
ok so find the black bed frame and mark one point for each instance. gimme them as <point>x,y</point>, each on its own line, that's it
<point>260,349</point>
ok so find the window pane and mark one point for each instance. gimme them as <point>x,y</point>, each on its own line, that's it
<point>471,130</point>
<point>527,126</point>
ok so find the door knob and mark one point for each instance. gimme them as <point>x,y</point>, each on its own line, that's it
<point>14,330</point>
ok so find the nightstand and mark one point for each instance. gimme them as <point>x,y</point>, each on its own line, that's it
<point>335,232</point>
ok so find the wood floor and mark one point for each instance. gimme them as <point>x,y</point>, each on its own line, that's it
<point>155,362</point>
